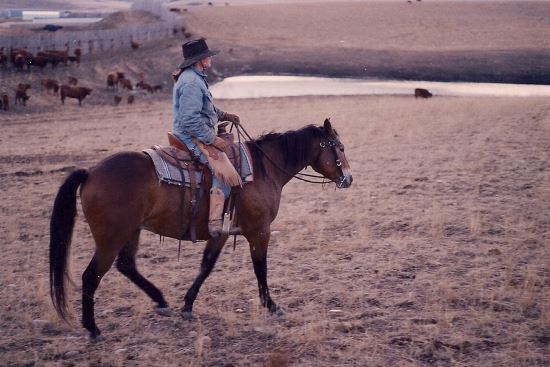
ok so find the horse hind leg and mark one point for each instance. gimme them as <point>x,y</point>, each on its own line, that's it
<point>108,246</point>
<point>126,264</point>
<point>98,266</point>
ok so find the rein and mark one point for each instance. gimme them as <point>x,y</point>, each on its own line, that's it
<point>299,176</point>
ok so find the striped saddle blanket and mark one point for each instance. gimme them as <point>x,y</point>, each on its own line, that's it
<point>166,158</point>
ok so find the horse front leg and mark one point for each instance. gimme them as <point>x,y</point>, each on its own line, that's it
<point>258,251</point>
<point>210,256</point>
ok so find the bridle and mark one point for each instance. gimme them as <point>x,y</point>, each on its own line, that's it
<point>337,147</point>
<point>333,144</point>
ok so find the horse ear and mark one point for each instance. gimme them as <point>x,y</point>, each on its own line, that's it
<point>327,126</point>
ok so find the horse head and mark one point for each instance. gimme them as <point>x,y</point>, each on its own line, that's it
<point>331,160</point>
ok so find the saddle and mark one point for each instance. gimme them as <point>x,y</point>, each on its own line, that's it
<point>231,168</point>
<point>176,164</point>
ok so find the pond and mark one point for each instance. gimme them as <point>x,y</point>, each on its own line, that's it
<point>264,86</point>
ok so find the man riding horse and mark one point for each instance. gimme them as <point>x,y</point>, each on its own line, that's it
<point>194,117</point>
<point>121,196</point>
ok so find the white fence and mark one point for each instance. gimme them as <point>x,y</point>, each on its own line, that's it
<point>103,39</point>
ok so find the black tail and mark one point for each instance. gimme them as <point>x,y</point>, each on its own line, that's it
<point>61,230</point>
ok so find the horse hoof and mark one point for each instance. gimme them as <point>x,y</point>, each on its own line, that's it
<point>279,312</point>
<point>96,338</point>
<point>187,315</point>
<point>164,311</point>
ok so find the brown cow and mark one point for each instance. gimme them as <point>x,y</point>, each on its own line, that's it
<point>57,57</point>
<point>134,45</point>
<point>422,93</point>
<point>130,99</point>
<point>74,92</point>
<point>3,58</point>
<point>16,51</point>
<point>72,80</point>
<point>52,59</point>
<point>23,86</point>
<point>112,80</point>
<point>157,88</point>
<point>142,85</point>
<point>40,61</point>
<point>4,102</point>
<point>76,57</point>
<point>50,84</point>
<point>117,99</point>
<point>20,61</point>
<point>21,96</point>
<point>126,84</point>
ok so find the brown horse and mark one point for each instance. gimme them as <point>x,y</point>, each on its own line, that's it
<point>121,195</point>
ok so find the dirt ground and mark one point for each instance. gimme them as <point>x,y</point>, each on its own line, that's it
<point>437,255</point>
<point>506,42</point>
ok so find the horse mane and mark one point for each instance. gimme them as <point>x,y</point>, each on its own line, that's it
<point>294,145</point>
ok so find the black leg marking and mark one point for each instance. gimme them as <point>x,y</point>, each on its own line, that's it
<point>126,264</point>
<point>209,258</point>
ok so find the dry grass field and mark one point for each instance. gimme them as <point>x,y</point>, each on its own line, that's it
<point>437,255</point>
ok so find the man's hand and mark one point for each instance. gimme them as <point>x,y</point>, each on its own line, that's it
<point>231,118</point>
<point>219,144</point>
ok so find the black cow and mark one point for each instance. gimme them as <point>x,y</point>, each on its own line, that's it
<point>422,93</point>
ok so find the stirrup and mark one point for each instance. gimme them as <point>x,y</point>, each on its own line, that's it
<point>226,223</point>
<point>227,228</point>
<point>224,228</point>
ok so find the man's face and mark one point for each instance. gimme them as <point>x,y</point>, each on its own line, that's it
<point>206,62</point>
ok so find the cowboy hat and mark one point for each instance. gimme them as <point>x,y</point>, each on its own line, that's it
<point>194,51</point>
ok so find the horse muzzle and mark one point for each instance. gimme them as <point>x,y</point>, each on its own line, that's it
<point>344,181</point>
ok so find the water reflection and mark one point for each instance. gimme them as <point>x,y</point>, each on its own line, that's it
<point>263,86</point>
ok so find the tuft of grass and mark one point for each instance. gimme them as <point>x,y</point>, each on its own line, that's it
<point>474,220</point>
<point>278,359</point>
<point>437,218</point>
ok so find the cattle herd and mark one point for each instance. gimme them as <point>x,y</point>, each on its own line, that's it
<point>117,80</point>
<point>22,60</point>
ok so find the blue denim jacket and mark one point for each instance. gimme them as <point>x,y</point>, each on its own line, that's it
<point>194,113</point>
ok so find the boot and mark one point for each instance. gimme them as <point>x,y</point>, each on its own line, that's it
<point>216,210</point>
